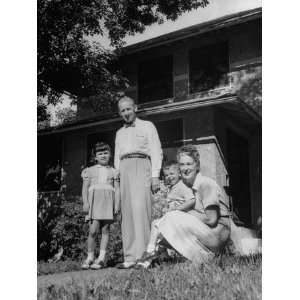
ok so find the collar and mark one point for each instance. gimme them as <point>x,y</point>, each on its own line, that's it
<point>133,124</point>
<point>100,166</point>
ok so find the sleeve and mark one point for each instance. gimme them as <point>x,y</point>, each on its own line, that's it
<point>209,193</point>
<point>117,153</point>
<point>188,194</point>
<point>85,174</point>
<point>156,153</point>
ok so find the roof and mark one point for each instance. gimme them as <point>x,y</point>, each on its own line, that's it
<point>229,101</point>
<point>215,24</point>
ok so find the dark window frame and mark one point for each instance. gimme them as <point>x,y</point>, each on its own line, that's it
<point>151,84</point>
<point>212,60</point>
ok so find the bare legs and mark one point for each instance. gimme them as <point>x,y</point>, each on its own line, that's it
<point>95,225</point>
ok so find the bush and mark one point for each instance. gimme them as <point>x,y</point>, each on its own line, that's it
<point>48,209</point>
<point>62,225</point>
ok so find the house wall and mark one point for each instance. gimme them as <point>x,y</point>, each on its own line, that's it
<point>244,42</point>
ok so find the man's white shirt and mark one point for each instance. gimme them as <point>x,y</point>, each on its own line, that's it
<point>142,137</point>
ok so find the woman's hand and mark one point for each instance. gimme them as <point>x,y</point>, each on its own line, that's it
<point>211,216</point>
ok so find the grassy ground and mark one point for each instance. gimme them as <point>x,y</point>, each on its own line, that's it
<point>225,278</point>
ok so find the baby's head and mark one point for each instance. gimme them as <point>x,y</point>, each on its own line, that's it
<point>102,153</point>
<point>171,173</point>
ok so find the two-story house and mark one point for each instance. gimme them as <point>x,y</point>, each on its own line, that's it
<point>199,85</point>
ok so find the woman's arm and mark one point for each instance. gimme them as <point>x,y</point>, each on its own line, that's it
<point>211,215</point>
<point>187,205</point>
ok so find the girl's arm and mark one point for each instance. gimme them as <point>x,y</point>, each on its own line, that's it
<point>85,190</point>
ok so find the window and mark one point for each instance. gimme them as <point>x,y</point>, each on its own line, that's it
<point>155,79</point>
<point>209,67</point>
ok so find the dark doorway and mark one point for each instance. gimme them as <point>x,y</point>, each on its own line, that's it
<point>239,181</point>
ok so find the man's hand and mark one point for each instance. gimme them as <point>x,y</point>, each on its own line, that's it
<point>86,207</point>
<point>155,184</point>
<point>116,210</point>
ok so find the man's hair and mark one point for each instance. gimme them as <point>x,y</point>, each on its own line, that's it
<point>123,98</point>
<point>191,151</point>
<point>169,164</point>
<point>101,146</point>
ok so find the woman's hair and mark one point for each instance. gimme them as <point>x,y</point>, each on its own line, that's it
<point>101,147</point>
<point>192,152</point>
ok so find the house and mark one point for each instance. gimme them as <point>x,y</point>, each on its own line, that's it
<point>200,85</point>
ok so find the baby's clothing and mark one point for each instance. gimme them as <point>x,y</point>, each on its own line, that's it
<point>178,194</point>
<point>101,192</point>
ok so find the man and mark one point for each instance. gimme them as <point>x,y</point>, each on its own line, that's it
<point>138,157</point>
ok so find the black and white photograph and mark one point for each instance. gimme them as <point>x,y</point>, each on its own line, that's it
<point>149,149</point>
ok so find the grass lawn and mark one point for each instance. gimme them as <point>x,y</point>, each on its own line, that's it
<point>222,278</point>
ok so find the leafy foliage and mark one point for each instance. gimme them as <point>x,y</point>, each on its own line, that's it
<point>69,61</point>
<point>61,224</point>
<point>64,115</point>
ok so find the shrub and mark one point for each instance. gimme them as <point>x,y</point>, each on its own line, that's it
<point>62,225</point>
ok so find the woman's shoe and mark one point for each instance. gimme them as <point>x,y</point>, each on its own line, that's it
<point>98,265</point>
<point>86,264</point>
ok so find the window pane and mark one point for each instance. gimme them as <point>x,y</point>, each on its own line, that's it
<point>209,67</point>
<point>155,79</point>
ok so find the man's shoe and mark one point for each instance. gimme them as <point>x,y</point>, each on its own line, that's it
<point>125,265</point>
<point>97,265</point>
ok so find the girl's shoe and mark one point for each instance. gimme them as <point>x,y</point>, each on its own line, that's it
<point>98,264</point>
<point>86,264</point>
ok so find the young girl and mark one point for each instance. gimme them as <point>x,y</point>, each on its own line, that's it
<point>101,200</point>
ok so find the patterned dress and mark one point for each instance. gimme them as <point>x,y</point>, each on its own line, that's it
<point>101,192</point>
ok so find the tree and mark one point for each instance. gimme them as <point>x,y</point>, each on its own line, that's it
<point>68,61</point>
<point>64,115</point>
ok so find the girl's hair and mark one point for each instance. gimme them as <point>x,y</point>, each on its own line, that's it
<point>192,152</point>
<point>101,147</point>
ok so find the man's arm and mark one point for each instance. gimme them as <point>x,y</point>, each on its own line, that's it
<point>117,153</point>
<point>117,195</point>
<point>156,157</point>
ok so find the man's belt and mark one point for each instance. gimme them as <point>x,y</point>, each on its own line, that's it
<point>135,155</point>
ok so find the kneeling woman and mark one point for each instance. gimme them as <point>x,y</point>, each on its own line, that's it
<point>203,231</point>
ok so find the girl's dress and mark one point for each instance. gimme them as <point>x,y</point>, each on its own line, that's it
<point>101,192</point>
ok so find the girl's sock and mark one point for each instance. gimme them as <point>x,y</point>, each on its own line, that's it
<point>90,255</point>
<point>101,255</point>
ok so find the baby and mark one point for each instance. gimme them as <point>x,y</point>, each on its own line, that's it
<point>179,197</point>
